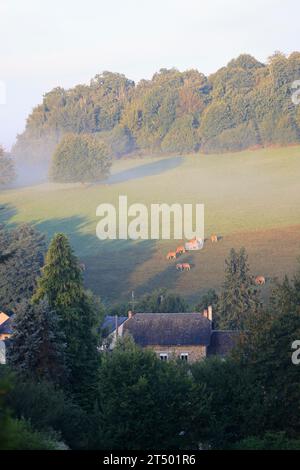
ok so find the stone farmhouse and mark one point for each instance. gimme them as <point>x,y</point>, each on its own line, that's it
<point>187,336</point>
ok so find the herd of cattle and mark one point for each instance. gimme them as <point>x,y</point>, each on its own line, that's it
<point>180,250</point>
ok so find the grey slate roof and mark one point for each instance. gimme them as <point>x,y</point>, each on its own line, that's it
<point>109,324</point>
<point>6,327</point>
<point>222,342</point>
<point>169,329</point>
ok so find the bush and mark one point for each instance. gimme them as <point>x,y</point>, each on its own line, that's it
<point>270,441</point>
<point>48,409</point>
<point>19,435</point>
<point>80,158</point>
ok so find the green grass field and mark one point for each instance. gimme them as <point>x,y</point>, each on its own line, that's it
<point>251,199</point>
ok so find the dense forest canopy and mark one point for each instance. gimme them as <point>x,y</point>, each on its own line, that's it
<point>245,104</point>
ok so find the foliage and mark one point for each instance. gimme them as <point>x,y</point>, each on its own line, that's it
<point>37,346</point>
<point>239,298</point>
<point>146,403</point>
<point>266,351</point>
<point>7,169</point>
<point>20,248</point>
<point>269,441</point>
<point>80,110</point>
<point>62,285</point>
<point>209,299</point>
<point>49,409</point>
<point>121,141</point>
<point>160,301</point>
<point>235,401</point>
<point>243,105</point>
<point>183,136</point>
<point>18,434</point>
<point>82,158</point>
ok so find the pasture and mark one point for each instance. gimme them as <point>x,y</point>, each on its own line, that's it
<point>251,199</point>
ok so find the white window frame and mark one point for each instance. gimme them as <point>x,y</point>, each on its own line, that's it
<point>184,356</point>
<point>163,356</point>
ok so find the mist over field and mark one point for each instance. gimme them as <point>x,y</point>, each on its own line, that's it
<point>31,174</point>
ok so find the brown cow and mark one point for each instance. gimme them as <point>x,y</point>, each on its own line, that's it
<point>260,280</point>
<point>171,255</point>
<point>179,267</point>
<point>214,238</point>
<point>180,250</point>
<point>186,267</point>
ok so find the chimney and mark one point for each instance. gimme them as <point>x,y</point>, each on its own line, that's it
<point>205,313</point>
<point>130,314</point>
<point>210,313</point>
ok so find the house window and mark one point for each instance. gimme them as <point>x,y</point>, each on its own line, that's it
<point>163,356</point>
<point>184,356</point>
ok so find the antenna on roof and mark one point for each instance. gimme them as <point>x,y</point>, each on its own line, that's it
<point>132,301</point>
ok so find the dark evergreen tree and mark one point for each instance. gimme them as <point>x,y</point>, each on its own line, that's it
<point>266,350</point>
<point>22,256</point>
<point>239,298</point>
<point>37,347</point>
<point>61,284</point>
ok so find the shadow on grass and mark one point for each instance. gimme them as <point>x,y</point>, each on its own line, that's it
<point>109,263</point>
<point>167,278</point>
<point>7,211</point>
<point>149,169</point>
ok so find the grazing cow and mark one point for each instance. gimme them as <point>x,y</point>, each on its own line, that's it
<point>194,244</point>
<point>171,255</point>
<point>260,280</point>
<point>214,238</point>
<point>186,267</point>
<point>179,267</point>
<point>180,250</point>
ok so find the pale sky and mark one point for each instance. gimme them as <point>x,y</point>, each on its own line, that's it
<point>49,43</point>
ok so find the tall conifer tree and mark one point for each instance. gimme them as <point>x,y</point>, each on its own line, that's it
<point>37,346</point>
<point>239,298</point>
<point>62,284</point>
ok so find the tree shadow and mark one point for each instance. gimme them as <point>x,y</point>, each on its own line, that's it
<point>108,263</point>
<point>7,211</point>
<point>167,278</point>
<point>149,169</point>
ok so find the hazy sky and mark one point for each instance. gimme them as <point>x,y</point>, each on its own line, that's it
<point>49,43</point>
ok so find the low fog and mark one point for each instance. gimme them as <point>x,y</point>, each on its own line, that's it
<point>29,174</point>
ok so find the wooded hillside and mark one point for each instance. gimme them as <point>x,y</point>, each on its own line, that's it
<point>242,105</point>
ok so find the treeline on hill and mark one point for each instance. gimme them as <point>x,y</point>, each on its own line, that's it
<point>59,391</point>
<point>243,105</point>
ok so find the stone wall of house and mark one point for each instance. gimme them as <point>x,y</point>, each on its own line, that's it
<point>195,353</point>
<point>2,352</point>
